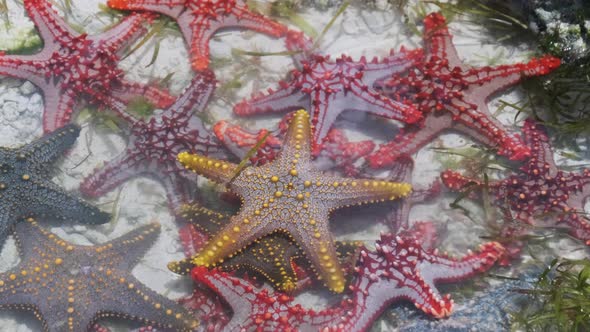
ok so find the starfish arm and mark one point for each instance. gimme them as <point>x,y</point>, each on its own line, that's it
<point>118,37</point>
<point>6,220</point>
<point>457,182</point>
<point>489,131</point>
<point>179,189</point>
<point>117,102</point>
<point>52,200</point>
<point>127,91</point>
<point>272,257</point>
<point>239,141</point>
<point>366,98</point>
<point>489,80</point>
<point>408,141</point>
<point>578,223</point>
<point>134,244</point>
<point>50,147</point>
<point>16,296</point>
<point>31,238</point>
<point>171,8</point>
<point>436,268</point>
<point>542,159</point>
<point>233,238</point>
<point>319,248</point>
<point>126,166</point>
<point>26,67</point>
<point>216,170</point>
<point>296,143</point>
<point>144,305</point>
<point>438,41</point>
<point>285,98</point>
<point>393,64</point>
<point>199,43</point>
<point>343,153</point>
<point>352,191</point>
<point>58,108</point>
<point>238,293</point>
<point>50,25</point>
<point>194,99</point>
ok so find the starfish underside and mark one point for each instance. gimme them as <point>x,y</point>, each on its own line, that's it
<point>289,196</point>
<point>452,95</point>
<point>71,65</point>
<point>199,20</point>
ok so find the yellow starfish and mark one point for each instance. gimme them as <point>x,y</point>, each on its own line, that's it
<point>288,195</point>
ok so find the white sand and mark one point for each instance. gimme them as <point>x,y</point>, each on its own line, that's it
<point>357,32</point>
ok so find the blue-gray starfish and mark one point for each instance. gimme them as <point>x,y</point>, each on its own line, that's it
<point>69,287</point>
<point>26,189</point>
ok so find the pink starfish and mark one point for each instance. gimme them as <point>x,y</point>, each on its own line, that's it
<point>199,20</point>
<point>541,193</point>
<point>73,65</point>
<point>326,88</point>
<point>154,144</point>
<point>402,267</point>
<point>452,95</point>
<point>340,152</point>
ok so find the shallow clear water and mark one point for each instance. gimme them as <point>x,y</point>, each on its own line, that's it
<point>358,31</point>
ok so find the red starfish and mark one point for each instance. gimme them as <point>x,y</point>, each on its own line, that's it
<point>402,267</point>
<point>154,144</point>
<point>340,152</point>
<point>454,96</point>
<point>327,88</point>
<point>199,20</point>
<point>540,189</point>
<point>73,65</point>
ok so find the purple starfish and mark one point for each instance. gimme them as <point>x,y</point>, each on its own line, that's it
<point>72,65</point>
<point>402,267</point>
<point>541,193</point>
<point>154,144</point>
<point>326,88</point>
<point>452,95</point>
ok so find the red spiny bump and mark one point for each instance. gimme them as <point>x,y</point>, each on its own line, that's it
<point>118,4</point>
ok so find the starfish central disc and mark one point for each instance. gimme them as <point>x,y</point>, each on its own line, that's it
<point>288,195</point>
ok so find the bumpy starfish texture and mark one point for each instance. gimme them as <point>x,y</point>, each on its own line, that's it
<point>327,88</point>
<point>26,188</point>
<point>274,257</point>
<point>452,95</point>
<point>199,20</point>
<point>337,149</point>
<point>400,268</point>
<point>68,287</point>
<point>72,65</point>
<point>155,142</point>
<point>404,266</point>
<point>288,196</point>
<point>541,192</point>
